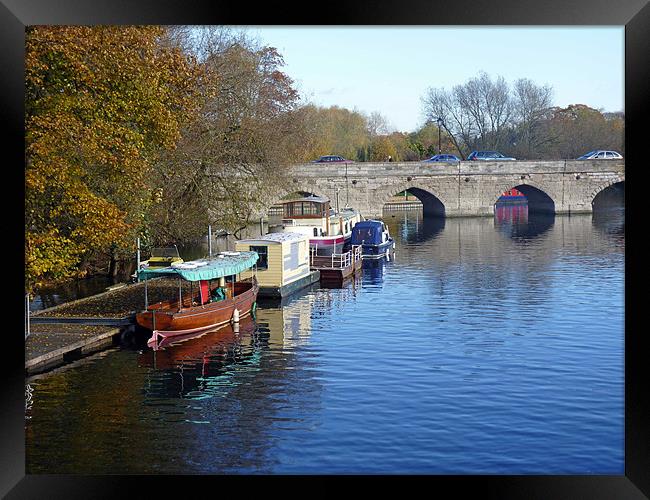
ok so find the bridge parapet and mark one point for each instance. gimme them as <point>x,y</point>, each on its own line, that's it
<point>390,169</point>
<point>467,188</point>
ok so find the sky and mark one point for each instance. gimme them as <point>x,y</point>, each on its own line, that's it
<point>389,69</point>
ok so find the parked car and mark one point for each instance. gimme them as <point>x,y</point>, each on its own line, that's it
<point>445,158</point>
<point>488,155</point>
<point>332,159</point>
<point>600,154</point>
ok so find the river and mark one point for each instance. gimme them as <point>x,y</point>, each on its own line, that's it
<point>486,346</point>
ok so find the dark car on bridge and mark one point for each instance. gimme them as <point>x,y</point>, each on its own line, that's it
<point>488,156</point>
<point>600,154</point>
<point>444,158</point>
<point>332,159</point>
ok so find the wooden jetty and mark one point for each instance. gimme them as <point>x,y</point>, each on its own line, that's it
<point>76,329</point>
<point>337,267</point>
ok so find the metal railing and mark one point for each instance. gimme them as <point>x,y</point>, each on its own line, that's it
<point>339,260</point>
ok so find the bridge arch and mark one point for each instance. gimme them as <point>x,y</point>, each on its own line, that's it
<point>608,195</point>
<point>432,204</point>
<point>539,201</point>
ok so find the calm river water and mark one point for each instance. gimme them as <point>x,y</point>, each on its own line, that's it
<point>487,346</point>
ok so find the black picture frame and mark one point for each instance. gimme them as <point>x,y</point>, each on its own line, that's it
<point>633,14</point>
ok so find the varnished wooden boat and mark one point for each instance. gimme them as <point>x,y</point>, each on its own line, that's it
<point>200,311</point>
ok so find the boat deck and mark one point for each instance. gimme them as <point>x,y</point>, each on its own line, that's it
<point>337,267</point>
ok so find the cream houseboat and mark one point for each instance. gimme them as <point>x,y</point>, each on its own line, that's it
<point>283,265</point>
<point>328,230</point>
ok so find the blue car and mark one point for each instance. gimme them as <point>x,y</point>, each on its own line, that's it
<point>445,158</point>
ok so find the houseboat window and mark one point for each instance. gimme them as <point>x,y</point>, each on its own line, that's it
<point>263,261</point>
<point>292,260</point>
<point>315,231</point>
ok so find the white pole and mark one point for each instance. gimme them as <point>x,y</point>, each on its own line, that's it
<point>210,241</point>
<point>137,268</point>
<point>27,315</point>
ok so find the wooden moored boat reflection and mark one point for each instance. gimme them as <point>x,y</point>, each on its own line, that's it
<point>198,349</point>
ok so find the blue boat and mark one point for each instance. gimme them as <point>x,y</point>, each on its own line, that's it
<point>373,237</point>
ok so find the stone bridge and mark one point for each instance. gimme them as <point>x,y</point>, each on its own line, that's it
<point>467,188</point>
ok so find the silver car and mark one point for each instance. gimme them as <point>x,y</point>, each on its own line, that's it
<point>600,154</point>
<point>489,156</point>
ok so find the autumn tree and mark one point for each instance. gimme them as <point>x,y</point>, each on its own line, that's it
<point>424,141</point>
<point>230,160</point>
<point>335,130</point>
<point>101,104</point>
<point>381,147</point>
<point>578,128</point>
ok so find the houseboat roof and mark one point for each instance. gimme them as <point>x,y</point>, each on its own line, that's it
<point>277,237</point>
<point>314,199</point>
<point>224,264</point>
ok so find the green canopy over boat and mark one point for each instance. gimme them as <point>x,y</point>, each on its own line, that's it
<point>224,264</point>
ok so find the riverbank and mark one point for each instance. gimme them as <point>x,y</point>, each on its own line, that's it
<point>75,329</point>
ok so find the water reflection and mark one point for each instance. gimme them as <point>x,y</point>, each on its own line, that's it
<point>520,224</point>
<point>611,223</point>
<point>50,296</point>
<point>469,353</point>
<point>412,226</point>
<point>374,271</point>
<point>204,361</point>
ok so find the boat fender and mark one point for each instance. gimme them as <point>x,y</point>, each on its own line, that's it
<point>235,316</point>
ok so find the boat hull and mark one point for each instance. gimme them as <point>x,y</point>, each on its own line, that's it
<point>377,251</point>
<point>513,199</point>
<point>196,319</point>
<point>334,276</point>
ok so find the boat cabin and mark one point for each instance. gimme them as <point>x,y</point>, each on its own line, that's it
<point>370,232</point>
<point>313,216</point>
<point>283,264</point>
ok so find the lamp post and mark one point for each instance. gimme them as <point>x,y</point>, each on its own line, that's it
<point>439,120</point>
<point>347,194</point>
